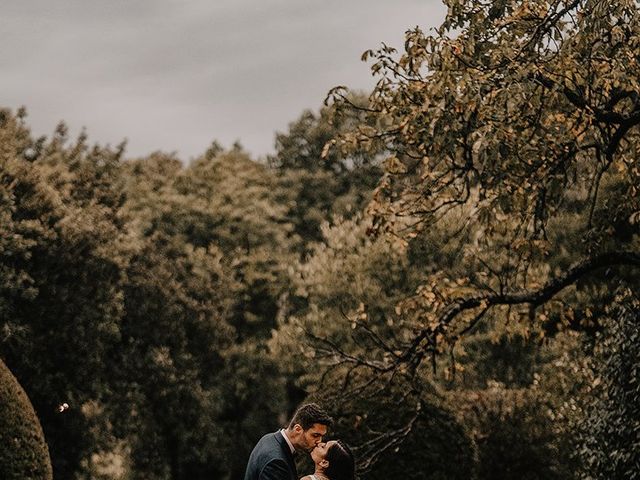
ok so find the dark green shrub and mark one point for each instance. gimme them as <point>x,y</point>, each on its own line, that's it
<point>23,452</point>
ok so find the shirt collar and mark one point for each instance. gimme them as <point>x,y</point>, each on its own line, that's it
<point>284,434</point>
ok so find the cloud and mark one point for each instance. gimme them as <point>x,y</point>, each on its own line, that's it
<point>176,75</point>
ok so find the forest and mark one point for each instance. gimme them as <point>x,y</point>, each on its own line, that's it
<point>447,263</point>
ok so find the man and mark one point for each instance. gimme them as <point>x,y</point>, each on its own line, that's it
<point>272,457</point>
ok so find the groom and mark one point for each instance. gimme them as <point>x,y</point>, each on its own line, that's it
<point>272,457</point>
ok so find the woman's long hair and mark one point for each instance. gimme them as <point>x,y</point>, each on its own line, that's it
<point>342,466</point>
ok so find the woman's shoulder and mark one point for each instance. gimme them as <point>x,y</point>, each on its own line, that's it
<point>309,477</point>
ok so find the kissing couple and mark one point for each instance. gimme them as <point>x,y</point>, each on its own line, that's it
<point>273,456</point>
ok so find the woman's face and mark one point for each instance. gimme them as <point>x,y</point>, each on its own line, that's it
<point>319,453</point>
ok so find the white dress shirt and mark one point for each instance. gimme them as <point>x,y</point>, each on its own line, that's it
<point>284,434</point>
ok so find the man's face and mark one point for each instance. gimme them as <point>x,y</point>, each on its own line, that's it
<point>309,438</point>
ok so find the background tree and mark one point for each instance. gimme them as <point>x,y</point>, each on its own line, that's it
<point>609,431</point>
<point>208,283</point>
<point>251,227</point>
<point>166,370</point>
<point>62,300</point>
<point>133,291</point>
<point>323,183</point>
<point>343,274</point>
<point>524,119</point>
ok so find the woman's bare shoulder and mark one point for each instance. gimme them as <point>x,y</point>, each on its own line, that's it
<point>307,477</point>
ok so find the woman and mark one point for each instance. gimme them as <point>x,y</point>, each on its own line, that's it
<point>334,461</point>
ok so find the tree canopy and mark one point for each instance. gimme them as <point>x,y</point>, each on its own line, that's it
<point>512,176</point>
<point>517,122</point>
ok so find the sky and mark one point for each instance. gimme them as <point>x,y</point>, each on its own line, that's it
<point>175,75</point>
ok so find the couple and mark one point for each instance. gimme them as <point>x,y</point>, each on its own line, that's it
<point>272,457</point>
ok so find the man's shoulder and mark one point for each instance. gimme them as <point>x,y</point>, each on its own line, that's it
<point>268,440</point>
<point>269,444</point>
<point>269,461</point>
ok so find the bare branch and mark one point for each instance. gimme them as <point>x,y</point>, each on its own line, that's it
<point>544,294</point>
<point>371,450</point>
<point>532,297</point>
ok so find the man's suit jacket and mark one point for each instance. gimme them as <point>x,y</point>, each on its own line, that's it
<point>271,459</point>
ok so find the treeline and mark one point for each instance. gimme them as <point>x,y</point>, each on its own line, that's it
<point>181,311</point>
<point>449,265</point>
<point>143,292</point>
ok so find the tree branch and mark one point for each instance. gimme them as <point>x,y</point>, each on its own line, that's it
<point>532,297</point>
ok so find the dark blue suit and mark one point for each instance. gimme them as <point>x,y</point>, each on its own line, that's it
<point>271,459</point>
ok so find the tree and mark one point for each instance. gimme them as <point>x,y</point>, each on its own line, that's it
<point>342,275</point>
<point>203,294</point>
<point>165,373</point>
<point>62,298</point>
<point>515,123</point>
<point>243,212</point>
<point>492,409</point>
<point>519,118</point>
<point>323,183</point>
<point>609,431</point>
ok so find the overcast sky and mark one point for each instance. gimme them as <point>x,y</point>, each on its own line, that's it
<point>174,75</point>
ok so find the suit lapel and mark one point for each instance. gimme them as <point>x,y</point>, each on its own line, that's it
<point>288,455</point>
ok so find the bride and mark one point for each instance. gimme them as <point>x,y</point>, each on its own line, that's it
<point>333,460</point>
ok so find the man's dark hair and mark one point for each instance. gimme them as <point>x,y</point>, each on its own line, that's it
<point>309,414</point>
<point>341,463</point>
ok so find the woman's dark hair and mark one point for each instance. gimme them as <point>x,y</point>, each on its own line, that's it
<point>342,466</point>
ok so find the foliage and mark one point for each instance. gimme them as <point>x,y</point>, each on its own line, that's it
<point>342,273</point>
<point>207,283</point>
<point>352,283</point>
<point>251,227</point>
<point>345,272</point>
<point>165,372</point>
<point>64,300</point>
<point>253,396</point>
<point>520,116</point>
<point>514,433</point>
<point>323,183</point>
<point>24,454</point>
<point>436,447</point>
<point>512,133</point>
<point>226,200</point>
<point>611,447</point>
<point>527,102</point>
<point>128,290</point>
